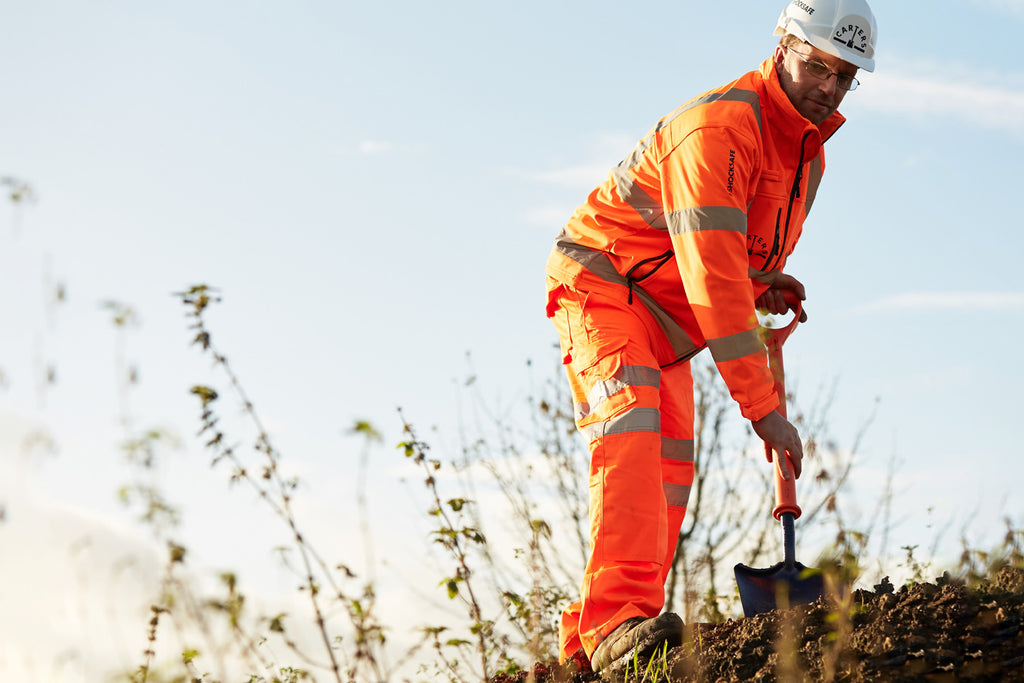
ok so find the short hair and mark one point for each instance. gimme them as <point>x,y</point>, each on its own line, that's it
<point>789,40</point>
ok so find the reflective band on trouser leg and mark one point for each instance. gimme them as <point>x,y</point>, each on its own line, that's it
<point>627,522</point>
<point>615,380</point>
<point>677,456</point>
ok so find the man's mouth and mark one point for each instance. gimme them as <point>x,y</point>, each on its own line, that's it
<point>821,105</point>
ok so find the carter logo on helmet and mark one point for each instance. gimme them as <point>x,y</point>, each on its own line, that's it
<point>849,33</point>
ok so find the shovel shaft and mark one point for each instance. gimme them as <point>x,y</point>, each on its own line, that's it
<point>789,540</point>
<point>785,489</point>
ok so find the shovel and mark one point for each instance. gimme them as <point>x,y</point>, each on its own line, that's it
<point>787,583</point>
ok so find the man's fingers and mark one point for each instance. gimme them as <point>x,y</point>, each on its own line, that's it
<point>776,303</point>
<point>784,281</point>
<point>790,466</point>
<point>781,307</point>
<point>796,459</point>
<point>782,441</point>
<point>783,465</point>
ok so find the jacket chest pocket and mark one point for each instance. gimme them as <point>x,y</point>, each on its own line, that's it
<point>766,219</point>
<point>774,221</point>
<point>773,185</point>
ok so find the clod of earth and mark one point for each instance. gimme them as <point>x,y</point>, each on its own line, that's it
<point>934,632</point>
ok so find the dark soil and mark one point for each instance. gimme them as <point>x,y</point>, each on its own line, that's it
<point>933,632</point>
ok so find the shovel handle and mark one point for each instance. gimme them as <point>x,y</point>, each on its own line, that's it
<point>778,335</point>
<point>785,489</point>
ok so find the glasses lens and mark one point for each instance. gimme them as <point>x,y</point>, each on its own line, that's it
<point>818,70</point>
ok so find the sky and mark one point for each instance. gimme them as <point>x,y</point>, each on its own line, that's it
<point>373,189</point>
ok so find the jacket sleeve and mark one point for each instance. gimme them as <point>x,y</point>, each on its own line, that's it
<point>708,180</point>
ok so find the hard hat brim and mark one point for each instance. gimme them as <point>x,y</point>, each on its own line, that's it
<point>827,46</point>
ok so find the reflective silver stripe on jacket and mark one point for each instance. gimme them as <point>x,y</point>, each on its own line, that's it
<point>707,218</point>
<point>731,95</point>
<point>650,208</point>
<point>735,346</point>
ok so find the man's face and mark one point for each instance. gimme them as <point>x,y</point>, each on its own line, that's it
<point>816,99</point>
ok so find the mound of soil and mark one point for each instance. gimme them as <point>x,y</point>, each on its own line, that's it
<point>936,632</point>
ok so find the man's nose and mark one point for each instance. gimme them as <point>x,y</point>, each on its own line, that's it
<point>830,84</point>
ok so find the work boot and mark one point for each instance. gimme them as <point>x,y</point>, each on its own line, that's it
<point>637,637</point>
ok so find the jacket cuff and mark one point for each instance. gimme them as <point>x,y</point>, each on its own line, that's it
<point>755,411</point>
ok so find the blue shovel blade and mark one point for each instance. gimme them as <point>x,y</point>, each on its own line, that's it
<point>765,590</point>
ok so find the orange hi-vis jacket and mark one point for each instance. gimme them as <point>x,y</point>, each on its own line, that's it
<point>721,186</point>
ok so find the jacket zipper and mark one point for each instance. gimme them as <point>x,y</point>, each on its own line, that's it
<point>794,194</point>
<point>775,242</point>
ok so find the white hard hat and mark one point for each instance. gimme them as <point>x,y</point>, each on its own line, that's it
<point>842,28</point>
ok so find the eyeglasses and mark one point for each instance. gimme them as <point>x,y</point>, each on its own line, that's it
<point>819,70</point>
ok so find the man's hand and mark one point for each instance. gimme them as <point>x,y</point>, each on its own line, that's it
<point>781,438</point>
<point>772,300</point>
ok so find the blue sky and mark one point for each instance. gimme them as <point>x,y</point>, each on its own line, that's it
<point>374,189</point>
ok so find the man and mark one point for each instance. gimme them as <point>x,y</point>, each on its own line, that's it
<point>672,253</point>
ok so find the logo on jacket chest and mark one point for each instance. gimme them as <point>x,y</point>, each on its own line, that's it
<point>757,246</point>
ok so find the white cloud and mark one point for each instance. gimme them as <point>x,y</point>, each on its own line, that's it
<point>946,301</point>
<point>988,100</point>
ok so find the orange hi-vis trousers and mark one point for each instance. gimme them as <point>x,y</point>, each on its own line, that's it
<point>637,418</point>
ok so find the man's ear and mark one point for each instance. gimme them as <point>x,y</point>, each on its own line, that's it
<point>780,54</point>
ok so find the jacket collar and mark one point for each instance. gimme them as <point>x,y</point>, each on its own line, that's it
<point>784,116</point>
